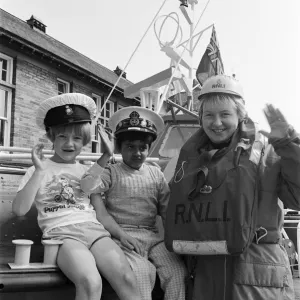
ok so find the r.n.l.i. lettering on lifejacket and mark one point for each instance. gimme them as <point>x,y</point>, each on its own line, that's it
<point>201,212</point>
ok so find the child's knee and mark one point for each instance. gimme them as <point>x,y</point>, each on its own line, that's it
<point>91,283</point>
<point>124,273</point>
<point>129,278</point>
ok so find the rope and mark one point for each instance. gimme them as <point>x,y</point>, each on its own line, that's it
<point>120,76</point>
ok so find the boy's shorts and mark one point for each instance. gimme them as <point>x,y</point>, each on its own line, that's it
<point>87,233</point>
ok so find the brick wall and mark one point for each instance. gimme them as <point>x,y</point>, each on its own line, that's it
<point>33,84</point>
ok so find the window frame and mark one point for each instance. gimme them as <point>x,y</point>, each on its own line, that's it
<point>66,83</point>
<point>95,137</point>
<point>99,99</point>
<point>7,119</point>
<point>9,74</point>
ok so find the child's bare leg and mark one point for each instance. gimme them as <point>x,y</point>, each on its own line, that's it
<point>78,264</point>
<point>114,266</point>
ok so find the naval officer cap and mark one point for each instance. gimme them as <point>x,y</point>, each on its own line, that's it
<point>65,109</point>
<point>136,119</point>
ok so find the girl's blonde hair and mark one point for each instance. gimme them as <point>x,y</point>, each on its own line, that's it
<point>216,98</point>
<point>79,129</point>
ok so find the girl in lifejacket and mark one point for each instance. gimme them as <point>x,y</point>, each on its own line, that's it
<point>224,212</point>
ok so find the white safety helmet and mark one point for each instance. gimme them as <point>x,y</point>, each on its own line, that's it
<point>221,84</point>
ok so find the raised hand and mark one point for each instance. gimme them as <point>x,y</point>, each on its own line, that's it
<point>38,158</point>
<point>278,124</point>
<point>107,141</point>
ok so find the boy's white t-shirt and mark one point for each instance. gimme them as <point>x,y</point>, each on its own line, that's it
<point>59,200</point>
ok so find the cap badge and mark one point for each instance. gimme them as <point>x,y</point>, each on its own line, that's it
<point>143,123</point>
<point>134,119</point>
<point>69,110</point>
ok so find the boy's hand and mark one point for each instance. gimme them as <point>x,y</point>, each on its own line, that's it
<point>38,158</point>
<point>107,141</point>
<point>130,243</point>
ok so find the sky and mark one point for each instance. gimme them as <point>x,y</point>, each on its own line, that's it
<point>259,40</point>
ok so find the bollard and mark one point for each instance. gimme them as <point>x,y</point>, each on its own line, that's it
<point>50,251</point>
<point>22,254</point>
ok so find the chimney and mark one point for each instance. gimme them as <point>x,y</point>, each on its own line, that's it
<point>118,71</point>
<point>36,24</point>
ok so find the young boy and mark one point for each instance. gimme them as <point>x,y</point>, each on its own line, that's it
<point>136,193</point>
<point>64,210</point>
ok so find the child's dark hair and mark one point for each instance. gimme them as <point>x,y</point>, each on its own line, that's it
<point>146,137</point>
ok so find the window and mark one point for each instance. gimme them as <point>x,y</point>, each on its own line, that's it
<point>62,86</point>
<point>6,71</point>
<point>105,114</point>
<point>6,64</point>
<point>5,115</point>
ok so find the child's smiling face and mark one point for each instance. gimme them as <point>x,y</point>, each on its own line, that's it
<point>67,146</point>
<point>134,153</point>
<point>68,141</point>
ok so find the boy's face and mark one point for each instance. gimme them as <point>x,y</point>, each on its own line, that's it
<point>67,146</point>
<point>134,153</point>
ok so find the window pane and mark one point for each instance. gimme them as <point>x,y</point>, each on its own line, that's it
<point>2,130</point>
<point>4,64</point>
<point>107,106</point>
<point>95,133</point>
<point>61,87</point>
<point>3,68</point>
<point>102,103</point>
<point>3,103</point>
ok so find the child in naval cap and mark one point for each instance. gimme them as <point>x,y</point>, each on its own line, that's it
<point>64,210</point>
<point>135,194</point>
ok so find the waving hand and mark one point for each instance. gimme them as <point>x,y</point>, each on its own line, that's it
<point>278,124</point>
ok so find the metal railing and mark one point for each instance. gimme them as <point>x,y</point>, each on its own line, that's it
<point>18,153</point>
<point>293,219</point>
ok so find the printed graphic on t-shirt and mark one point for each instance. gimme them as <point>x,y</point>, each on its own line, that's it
<point>63,191</point>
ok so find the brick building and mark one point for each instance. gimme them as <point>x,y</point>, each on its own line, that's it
<point>35,66</point>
